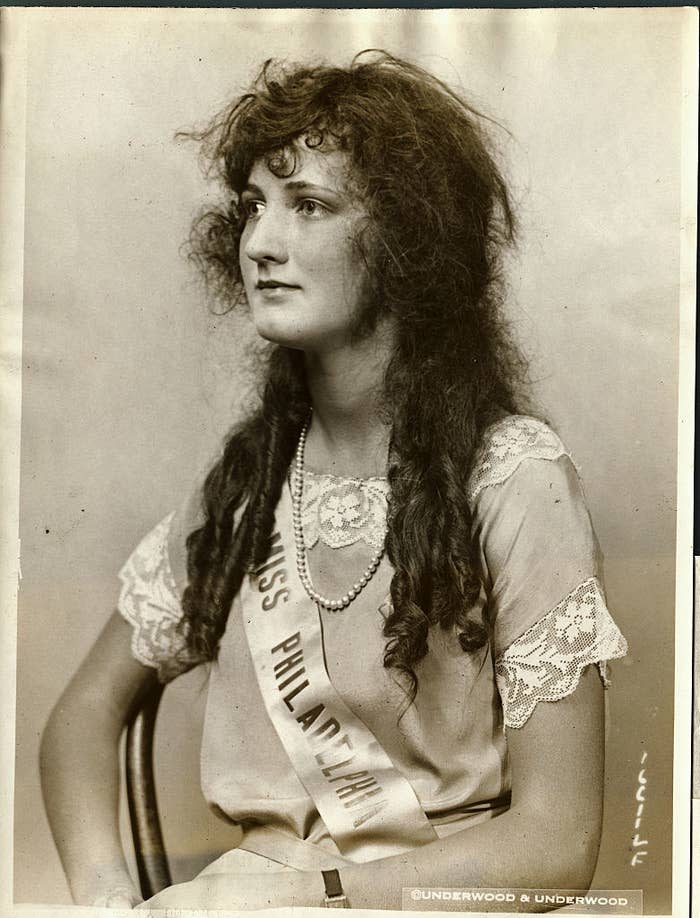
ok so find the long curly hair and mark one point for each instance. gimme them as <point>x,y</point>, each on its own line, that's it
<point>440,217</point>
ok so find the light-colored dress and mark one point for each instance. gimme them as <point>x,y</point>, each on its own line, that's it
<point>544,598</point>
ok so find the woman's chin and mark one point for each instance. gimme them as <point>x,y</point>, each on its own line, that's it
<point>293,335</point>
<point>282,335</point>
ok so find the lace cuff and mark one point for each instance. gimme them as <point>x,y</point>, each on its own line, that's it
<point>149,601</point>
<point>545,663</point>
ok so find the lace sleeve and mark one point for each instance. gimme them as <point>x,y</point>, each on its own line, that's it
<point>149,601</point>
<point>541,568</point>
<point>545,663</point>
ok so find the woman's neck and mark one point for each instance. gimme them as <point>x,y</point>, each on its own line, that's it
<point>347,436</point>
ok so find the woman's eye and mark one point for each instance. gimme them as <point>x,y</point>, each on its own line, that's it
<point>253,208</point>
<point>310,208</point>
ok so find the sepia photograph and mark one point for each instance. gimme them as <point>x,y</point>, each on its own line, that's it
<point>347,545</point>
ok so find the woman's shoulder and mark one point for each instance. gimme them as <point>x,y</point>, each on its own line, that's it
<point>150,598</point>
<point>506,444</point>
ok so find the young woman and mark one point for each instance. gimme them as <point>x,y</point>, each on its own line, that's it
<point>390,572</point>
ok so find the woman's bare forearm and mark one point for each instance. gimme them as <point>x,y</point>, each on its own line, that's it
<point>512,851</point>
<point>80,781</point>
<point>79,761</point>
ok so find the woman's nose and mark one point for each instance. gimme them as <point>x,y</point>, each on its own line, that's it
<point>266,239</point>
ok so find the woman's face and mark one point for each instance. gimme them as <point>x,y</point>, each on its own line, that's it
<point>302,276</point>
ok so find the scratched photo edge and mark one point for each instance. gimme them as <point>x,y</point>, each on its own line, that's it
<point>12,144</point>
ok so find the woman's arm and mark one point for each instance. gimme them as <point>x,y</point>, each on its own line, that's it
<point>80,768</point>
<point>548,839</point>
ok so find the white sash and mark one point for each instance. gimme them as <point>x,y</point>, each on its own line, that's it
<point>369,808</point>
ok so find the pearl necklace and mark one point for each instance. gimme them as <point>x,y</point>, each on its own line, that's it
<point>333,605</point>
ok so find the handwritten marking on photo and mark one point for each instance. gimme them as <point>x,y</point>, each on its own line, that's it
<point>640,796</point>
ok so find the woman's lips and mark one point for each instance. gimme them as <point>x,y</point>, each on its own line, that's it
<point>275,285</point>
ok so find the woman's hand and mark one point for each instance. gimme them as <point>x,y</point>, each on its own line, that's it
<point>195,894</point>
<point>242,891</point>
<point>118,897</point>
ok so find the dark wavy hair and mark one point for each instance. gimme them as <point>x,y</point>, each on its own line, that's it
<point>440,217</point>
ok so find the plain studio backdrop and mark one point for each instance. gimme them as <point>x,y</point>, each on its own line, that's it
<point>129,382</point>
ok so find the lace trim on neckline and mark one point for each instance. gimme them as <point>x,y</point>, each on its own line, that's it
<point>505,445</point>
<point>328,476</point>
<point>342,511</point>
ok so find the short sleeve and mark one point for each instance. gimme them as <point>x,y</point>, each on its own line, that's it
<point>152,582</point>
<point>542,568</point>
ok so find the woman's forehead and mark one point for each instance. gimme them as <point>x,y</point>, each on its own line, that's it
<point>298,162</point>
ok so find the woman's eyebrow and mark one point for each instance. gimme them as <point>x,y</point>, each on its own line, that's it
<point>252,189</point>
<point>310,187</point>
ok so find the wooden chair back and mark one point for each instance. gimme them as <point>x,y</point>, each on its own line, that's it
<point>151,859</point>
